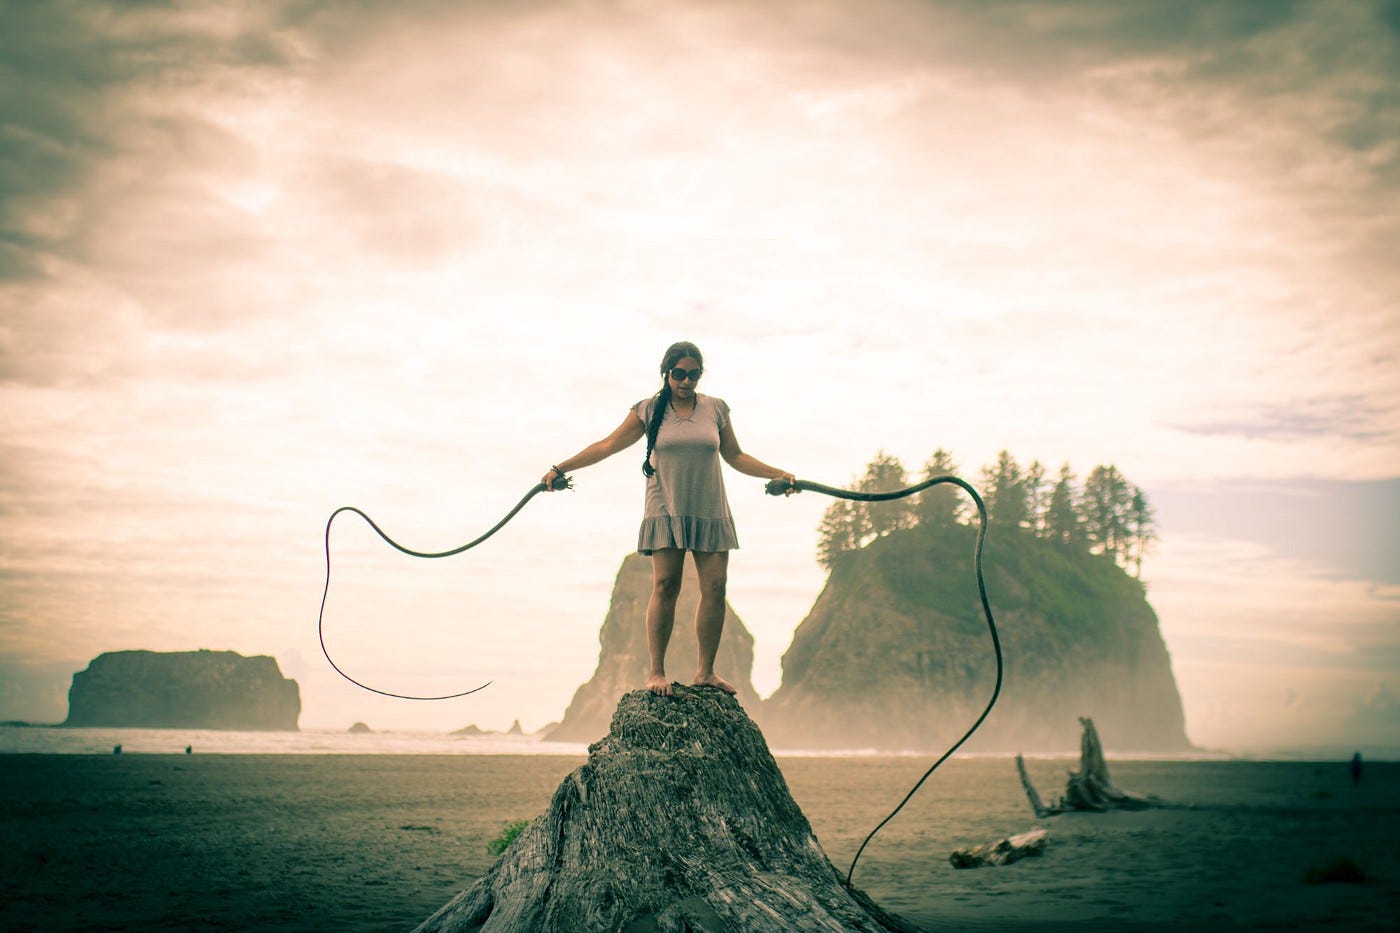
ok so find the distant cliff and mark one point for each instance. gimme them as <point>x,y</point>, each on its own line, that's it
<point>895,652</point>
<point>623,662</point>
<point>184,690</point>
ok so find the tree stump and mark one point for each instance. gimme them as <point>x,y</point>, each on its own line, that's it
<point>1089,788</point>
<point>680,821</point>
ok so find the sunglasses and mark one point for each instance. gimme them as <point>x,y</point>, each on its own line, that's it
<point>681,375</point>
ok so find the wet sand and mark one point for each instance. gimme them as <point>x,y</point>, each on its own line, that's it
<point>378,842</point>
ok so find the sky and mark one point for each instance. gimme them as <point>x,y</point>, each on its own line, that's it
<point>262,260</point>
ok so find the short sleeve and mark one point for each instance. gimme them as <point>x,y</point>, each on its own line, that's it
<point>721,412</point>
<point>643,410</point>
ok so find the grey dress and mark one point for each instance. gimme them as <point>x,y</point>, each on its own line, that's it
<point>685,502</point>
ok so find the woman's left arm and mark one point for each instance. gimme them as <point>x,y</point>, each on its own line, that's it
<point>745,463</point>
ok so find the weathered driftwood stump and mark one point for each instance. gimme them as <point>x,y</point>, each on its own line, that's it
<point>680,821</point>
<point>1089,788</point>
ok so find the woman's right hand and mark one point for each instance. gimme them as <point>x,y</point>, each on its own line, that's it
<point>548,478</point>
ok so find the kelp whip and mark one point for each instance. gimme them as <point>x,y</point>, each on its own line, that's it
<point>774,487</point>
<point>779,487</point>
<point>560,482</point>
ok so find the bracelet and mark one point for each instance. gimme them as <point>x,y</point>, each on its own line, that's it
<point>556,469</point>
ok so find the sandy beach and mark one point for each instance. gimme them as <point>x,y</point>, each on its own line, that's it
<point>378,842</point>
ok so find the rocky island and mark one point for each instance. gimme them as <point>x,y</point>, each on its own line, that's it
<point>184,690</point>
<point>623,662</point>
<point>895,652</point>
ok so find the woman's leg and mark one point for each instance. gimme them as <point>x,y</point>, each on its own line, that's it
<point>666,567</point>
<point>713,569</point>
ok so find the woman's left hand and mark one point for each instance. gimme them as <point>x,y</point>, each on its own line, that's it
<point>791,483</point>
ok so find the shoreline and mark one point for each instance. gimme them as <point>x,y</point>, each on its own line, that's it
<point>63,740</point>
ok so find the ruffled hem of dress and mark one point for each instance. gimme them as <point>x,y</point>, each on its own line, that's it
<point>688,533</point>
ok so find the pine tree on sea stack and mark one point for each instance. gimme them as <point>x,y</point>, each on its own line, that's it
<point>680,821</point>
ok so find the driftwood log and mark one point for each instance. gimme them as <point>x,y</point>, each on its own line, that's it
<point>1089,788</point>
<point>1003,851</point>
<point>679,821</point>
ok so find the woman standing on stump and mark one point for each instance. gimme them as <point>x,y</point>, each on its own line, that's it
<point>686,509</point>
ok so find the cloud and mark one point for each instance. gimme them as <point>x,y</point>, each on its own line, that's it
<point>408,217</point>
<point>1343,528</point>
<point>1303,98</point>
<point>1355,418</point>
<point>88,86</point>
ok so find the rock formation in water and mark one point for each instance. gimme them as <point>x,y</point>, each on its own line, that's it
<point>184,690</point>
<point>680,821</point>
<point>895,653</point>
<point>472,730</point>
<point>623,662</point>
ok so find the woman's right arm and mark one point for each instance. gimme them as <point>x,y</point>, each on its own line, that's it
<point>628,433</point>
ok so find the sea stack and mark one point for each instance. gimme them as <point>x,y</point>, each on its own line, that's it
<point>895,654</point>
<point>623,662</point>
<point>184,690</point>
<point>680,820</point>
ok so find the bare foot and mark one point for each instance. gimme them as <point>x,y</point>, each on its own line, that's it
<point>659,685</point>
<point>714,680</point>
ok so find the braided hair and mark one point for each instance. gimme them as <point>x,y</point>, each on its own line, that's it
<point>674,354</point>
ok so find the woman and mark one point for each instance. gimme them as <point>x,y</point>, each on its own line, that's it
<point>686,509</point>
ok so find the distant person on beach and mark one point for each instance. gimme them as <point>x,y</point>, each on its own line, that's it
<point>685,507</point>
<point>1355,769</point>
